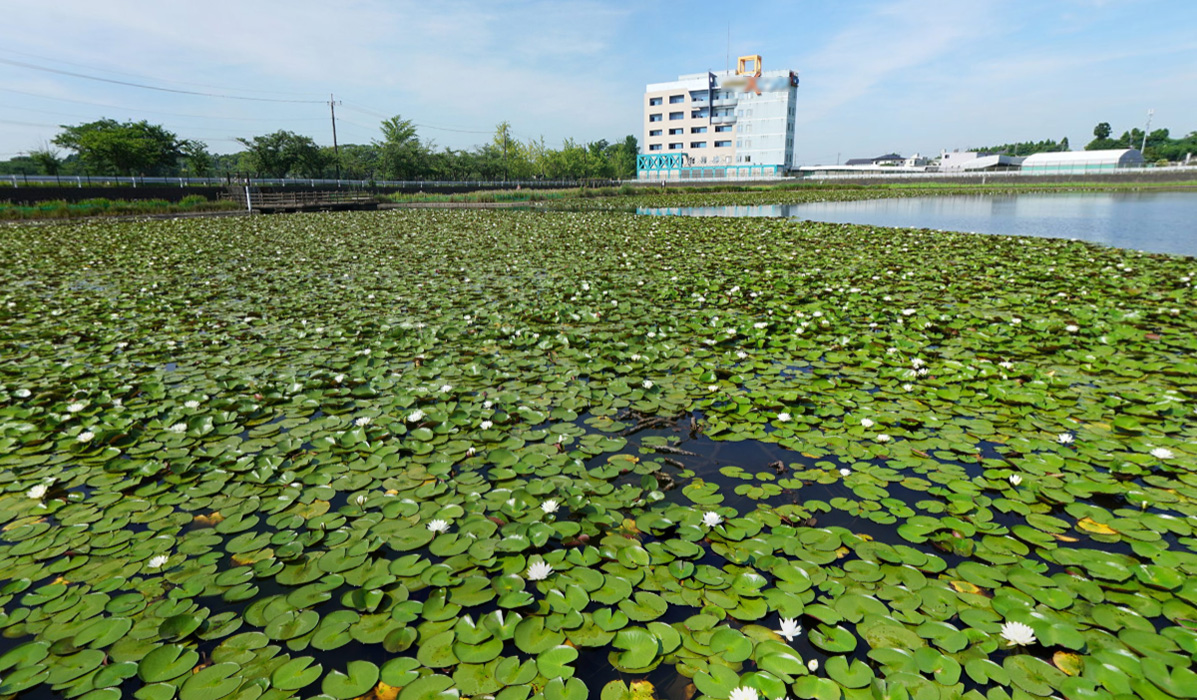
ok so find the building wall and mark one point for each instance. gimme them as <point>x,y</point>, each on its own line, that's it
<point>718,128</point>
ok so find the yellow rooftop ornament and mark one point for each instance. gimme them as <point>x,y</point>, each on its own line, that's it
<point>749,65</point>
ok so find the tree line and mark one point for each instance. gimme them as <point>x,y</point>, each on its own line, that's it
<point>109,147</point>
<point>1159,143</point>
<point>1160,146</point>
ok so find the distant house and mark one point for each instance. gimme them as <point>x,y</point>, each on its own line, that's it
<point>974,161</point>
<point>889,159</point>
<point>1082,161</point>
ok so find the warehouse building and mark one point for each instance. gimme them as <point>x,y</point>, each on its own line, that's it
<point>726,124</point>
<point>1081,162</point>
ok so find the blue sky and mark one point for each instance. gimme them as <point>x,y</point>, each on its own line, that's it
<point>877,75</point>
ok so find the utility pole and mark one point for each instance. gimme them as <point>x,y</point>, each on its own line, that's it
<point>506,170</point>
<point>1150,114</point>
<point>332,110</point>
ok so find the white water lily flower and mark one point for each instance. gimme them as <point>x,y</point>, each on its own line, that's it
<point>1015,479</point>
<point>866,423</point>
<point>882,437</point>
<point>712,387</point>
<point>1162,453</point>
<point>22,393</point>
<point>438,525</point>
<point>711,518</point>
<point>85,436</point>
<point>339,378</point>
<point>783,417</point>
<point>844,471</point>
<point>539,571</point>
<point>907,387</point>
<point>908,312</point>
<point>178,428</point>
<point>76,407</point>
<point>415,416</point>
<point>360,499</point>
<point>158,562</point>
<point>1017,633</point>
<point>813,665</point>
<point>743,693</point>
<point>362,422</point>
<point>191,404</point>
<point>37,491</point>
<point>760,325</point>
<point>1072,328</point>
<point>485,425</point>
<point>1064,438</point>
<point>789,628</point>
<point>647,384</point>
<point>549,506</point>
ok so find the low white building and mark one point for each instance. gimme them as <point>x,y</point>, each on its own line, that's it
<point>1079,162</point>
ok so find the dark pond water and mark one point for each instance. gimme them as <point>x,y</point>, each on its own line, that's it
<point>1156,222</point>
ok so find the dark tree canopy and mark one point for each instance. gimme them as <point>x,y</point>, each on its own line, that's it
<point>284,153</point>
<point>108,147</point>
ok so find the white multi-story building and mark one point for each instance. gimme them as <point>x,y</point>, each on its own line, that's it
<point>733,124</point>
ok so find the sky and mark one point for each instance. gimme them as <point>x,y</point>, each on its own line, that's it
<point>877,76</point>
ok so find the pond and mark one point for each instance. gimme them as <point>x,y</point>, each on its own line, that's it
<point>428,455</point>
<point>1155,222</point>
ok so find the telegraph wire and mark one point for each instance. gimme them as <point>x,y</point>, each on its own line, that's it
<point>148,111</point>
<point>145,77</point>
<point>31,66</point>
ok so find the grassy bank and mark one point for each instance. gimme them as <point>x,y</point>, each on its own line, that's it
<point>111,207</point>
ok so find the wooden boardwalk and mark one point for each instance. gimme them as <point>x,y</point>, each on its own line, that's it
<point>315,200</point>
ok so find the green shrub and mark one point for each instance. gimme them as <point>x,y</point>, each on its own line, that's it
<point>192,200</point>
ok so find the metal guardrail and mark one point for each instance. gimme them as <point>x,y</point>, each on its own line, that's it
<point>115,181</point>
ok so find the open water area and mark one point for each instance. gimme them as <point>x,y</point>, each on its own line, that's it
<point>1154,222</point>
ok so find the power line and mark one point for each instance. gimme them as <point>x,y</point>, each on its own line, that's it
<point>188,116</point>
<point>149,111</point>
<point>30,66</point>
<point>145,77</point>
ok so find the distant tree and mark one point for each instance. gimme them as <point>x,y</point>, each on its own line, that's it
<point>1102,130</point>
<point>623,158</point>
<point>401,156</point>
<point>47,158</point>
<point>360,161</point>
<point>20,165</point>
<point>110,147</point>
<point>1064,144</point>
<point>284,153</point>
<point>1026,148</point>
<point>199,161</point>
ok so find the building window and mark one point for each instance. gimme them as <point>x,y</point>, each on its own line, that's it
<point>654,117</point>
<point>723,144</point>
<point>725,129</point>
<point>698,114</point>
<point>698,130</point>
<point>676,99</point>
<point>675,146</point>
<point>698,144</point>
<point>676,132</point>
<point>654,101</point>
<point>674,116</point>
<point>655,132</point>
<point>654,147</point>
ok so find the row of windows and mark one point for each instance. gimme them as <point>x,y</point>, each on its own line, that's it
<point>693,145</point>
<point>675,116</point>
<point>673,100</point>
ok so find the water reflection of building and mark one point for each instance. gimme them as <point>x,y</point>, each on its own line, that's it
<point>725,124</point>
